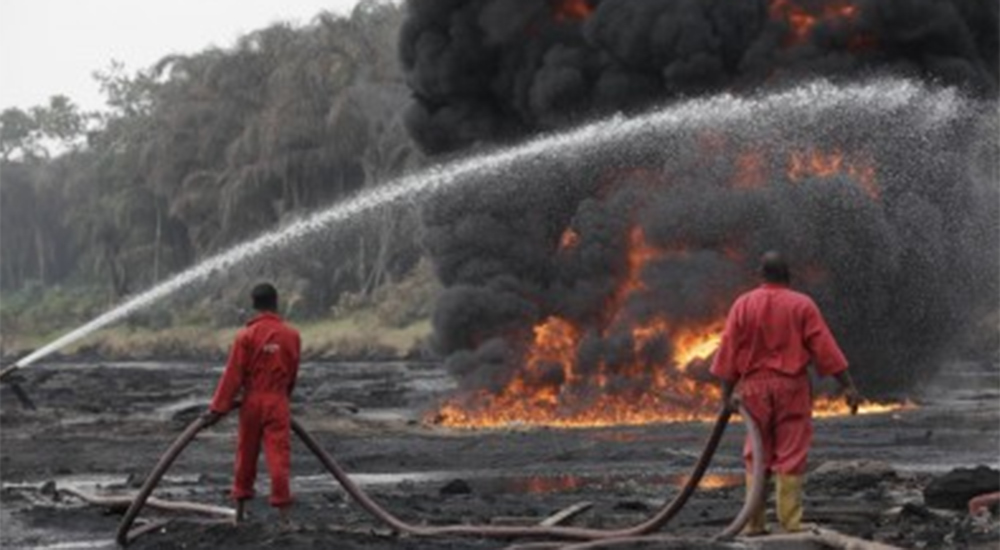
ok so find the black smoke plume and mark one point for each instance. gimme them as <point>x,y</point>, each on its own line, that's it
<point>495,70</point>
<point>898,245</point>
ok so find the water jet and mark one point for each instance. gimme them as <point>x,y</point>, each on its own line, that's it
<point>810,100</point>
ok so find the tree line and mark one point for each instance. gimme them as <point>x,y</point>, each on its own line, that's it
<point>201,151</point>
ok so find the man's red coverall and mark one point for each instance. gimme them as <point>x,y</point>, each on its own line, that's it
<point>264,362</point>
<point>771,334</point>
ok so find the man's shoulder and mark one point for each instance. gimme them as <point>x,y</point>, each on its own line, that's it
<point>269,324</point>
<point>742,299</point>
<point>798,299</point>
<point>786,294</point>
<point>287,328</point>
<point>282,325</point>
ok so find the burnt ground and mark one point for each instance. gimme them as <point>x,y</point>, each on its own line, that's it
<point>101,427</point>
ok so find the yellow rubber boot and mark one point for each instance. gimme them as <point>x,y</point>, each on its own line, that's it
<point>789,505</point>
<point>758,522</point>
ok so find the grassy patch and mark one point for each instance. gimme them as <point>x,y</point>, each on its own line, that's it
<point>392,322</point>
<point>361,335</point>
<point>358,336</point>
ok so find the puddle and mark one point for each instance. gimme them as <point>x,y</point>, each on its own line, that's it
<point>387,415</point>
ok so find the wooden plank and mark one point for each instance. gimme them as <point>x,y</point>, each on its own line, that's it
<point>566,514</point>
<point>827,538</point>
<point>123,502</point>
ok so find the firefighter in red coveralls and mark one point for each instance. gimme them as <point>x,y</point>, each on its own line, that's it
<point>771,334</point>
<point>264,362</point>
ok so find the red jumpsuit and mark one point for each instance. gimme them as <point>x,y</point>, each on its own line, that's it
<point>771,334</point>
<point>264,362</point>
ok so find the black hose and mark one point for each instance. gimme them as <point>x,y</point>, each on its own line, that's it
<point>578,533</point>
<point>755,493</point>
<point>153,479</point>
<point>6,371</point>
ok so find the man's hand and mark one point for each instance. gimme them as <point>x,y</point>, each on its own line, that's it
<point>851,395</point>
<point>852,398</point>
<point>211,417</point>
<point>734,402</point>
<point>731,400</point>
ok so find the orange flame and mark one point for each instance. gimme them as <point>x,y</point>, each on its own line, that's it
<point>556,341</point>
<point>801,21</point>
<point>571,10</point>
<point>550,484</point>
<point>750,171</point>
<point>532,399</point>
<point>697,345</point>
<point>671,396</point>
<point>569,239</point>
<point>815,163</point>
<point>550,389</point>
<point>640,253</point>
<point>825,406</point>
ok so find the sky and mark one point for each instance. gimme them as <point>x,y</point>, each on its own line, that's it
<point>50,47</point>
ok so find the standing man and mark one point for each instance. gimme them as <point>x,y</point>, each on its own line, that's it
<point>264,362</point>
<point>771,334</point>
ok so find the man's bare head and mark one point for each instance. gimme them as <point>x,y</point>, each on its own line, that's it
<point>774,268</point>
<point>265,297</point>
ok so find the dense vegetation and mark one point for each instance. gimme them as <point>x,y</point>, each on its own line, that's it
<point>199,152</point>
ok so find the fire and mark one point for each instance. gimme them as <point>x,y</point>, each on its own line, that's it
<point>569,239</point>
<point>548,484</point>
<point>571,10</point>
<point>815,163</point>
<point>550,390</point>
<point>556,341</point>
<point>825,406</point>
<point>801,20</point>
<point>717,481</point>
<point>562,398</point>
<point>752,168</point>
<point>640,253</point>
<point>697,345</point>
<point>751,171</point>
<point>664,379</point>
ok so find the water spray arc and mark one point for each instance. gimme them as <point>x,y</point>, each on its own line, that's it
<point>808,100</point>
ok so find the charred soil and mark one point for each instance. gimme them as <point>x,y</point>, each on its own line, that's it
<point>99,428</point>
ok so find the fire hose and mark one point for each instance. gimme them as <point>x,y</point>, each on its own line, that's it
<point>753,500</point>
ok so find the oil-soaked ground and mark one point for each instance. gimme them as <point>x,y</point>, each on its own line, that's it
<point>101,427</point>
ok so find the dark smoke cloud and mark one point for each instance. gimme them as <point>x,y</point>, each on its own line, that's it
<point>898,278</point>
<point>489,70</point>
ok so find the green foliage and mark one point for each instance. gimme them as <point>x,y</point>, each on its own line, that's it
<point>60,121</point>
<point>128,96</point>
<point>36,312</point>
<point>201,151</point>
<point>409,301</point>
<point>18,134</point>
<point>30,135</point>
